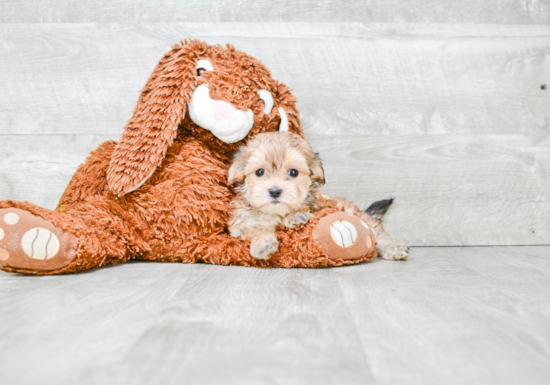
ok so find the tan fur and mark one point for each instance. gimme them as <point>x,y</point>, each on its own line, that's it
<point>254,213</point>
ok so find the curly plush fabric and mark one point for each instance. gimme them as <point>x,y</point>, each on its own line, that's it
<point>161,192</point>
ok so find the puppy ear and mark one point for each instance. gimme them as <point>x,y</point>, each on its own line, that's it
<point>317,171</point>
<point>154,124</point>
<point>236,171</point>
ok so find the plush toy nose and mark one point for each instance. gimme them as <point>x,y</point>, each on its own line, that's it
<point>275,192</point>
<point>223,110</point>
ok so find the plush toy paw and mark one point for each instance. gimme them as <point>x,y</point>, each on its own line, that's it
<point>264,247</point>
<point>297,219</point>
<point>344,236</point>
<point>30,242</point>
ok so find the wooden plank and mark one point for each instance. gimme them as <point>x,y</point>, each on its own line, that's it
<point>37,168</point>
<point>448,190</point>
<point>455,114</point>
<point>348,78</point>
<point>454,315</point>
<point>146,323</point>
<point>446,316</point>
<point>413,11</point>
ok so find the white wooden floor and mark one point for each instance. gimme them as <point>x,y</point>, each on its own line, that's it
<point>446,316</point>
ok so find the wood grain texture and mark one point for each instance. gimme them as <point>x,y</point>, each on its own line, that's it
<point>395,11</point>
<point>448,189</point>
<point>449,119</point>
<point>37,168</point>
<point>348,78</point>
<point>446,316</point>
<point>458,315</point>
<point>498,194</point>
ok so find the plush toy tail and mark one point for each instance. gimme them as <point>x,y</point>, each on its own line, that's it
<point>379,208</point>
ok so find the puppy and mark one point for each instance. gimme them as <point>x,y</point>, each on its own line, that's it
<point>278,175</point>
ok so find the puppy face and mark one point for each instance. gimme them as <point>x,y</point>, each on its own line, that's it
<point>277,171</point>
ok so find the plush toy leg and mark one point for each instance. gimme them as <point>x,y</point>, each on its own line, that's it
<point>345,236</point>
<point>38,241</point>
<point>386,246</point>
<point>33,243</point>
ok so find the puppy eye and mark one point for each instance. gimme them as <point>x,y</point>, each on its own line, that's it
<point>260,172</point>
<point>200,71</point>
<point>293,173</point>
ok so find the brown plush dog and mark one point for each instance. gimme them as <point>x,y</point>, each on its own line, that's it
<point>161,192</point>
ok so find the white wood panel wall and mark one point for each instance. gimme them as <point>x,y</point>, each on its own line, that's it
<point>438,104</point>
<point>393,11</point>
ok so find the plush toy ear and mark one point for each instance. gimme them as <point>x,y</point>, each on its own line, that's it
<point>290,120</point>
<point>154,124</point>
<point>236,171</point>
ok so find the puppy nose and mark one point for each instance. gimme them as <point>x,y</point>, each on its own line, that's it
<point>275,192</point>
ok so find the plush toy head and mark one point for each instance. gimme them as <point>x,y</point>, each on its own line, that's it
<point>226,93</point>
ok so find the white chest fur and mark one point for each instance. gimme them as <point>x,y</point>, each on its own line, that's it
<point>254,219</point>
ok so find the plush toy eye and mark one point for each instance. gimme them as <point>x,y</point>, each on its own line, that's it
<point>293,173</point>
<point>260,172</point>
<point>203,65</point>
<point>267,98</point>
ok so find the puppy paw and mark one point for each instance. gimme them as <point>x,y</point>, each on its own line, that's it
<point>298,219</point>
<point>394,251</point>
<point>264,247</point>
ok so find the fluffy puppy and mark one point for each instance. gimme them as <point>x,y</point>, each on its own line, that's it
<point>278,175</point>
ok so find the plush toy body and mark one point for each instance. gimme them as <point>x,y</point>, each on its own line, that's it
<point>161,192</point>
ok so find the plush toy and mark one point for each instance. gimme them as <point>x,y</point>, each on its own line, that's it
<point>160,193</point>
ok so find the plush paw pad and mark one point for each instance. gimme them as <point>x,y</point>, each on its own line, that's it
<point>11,218</point>
<point>40,243</point>
<point>343,233</point>
<point>33,243</point>
<point>4,254</point>
<point>344,236</point>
